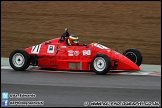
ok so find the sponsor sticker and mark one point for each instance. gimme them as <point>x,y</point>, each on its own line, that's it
<point>73,53</point>
<point>86,52</point>
<point>76,53</point>
<point>70,53</point>
<point>50,49</point>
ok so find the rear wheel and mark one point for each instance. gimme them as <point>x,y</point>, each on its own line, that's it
<point>100,64</point>
<point>134,55</point>
<point>19,60</point>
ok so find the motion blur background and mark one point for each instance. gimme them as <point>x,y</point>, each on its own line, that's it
<point>116,24</point>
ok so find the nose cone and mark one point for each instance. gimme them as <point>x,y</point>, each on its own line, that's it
<point>126,64</point>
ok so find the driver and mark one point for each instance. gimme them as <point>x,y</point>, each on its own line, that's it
<point>71,40</point>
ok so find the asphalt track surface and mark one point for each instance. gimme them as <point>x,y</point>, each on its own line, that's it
<point>58,89</point>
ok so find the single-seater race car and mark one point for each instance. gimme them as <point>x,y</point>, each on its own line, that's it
<point>56,54</point>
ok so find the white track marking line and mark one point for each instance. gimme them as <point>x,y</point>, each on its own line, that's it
<point>122,72</point>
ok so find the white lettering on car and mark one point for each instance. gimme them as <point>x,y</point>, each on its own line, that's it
<point>72,53</point>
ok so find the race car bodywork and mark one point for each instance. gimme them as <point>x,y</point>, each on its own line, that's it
<point>92,57</point>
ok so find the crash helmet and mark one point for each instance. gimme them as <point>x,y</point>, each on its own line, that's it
<point>73,40</point>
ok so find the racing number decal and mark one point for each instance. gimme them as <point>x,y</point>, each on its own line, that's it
<point>50,48</point>
<point>100,46</point>
<point>35,49</point>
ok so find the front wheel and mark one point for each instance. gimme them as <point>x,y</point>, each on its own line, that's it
<point>100,64</point>
<point>19,60</point>
<point>134,55</point>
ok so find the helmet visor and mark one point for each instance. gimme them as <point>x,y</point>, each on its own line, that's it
<point>76,41</point>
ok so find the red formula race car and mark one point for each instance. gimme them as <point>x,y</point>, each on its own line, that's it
<point>56,54</point>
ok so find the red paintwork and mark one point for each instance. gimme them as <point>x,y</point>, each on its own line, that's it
<point>61,59</point>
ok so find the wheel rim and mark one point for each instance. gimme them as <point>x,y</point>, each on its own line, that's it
<point>99,64</point>
<point>18,60</point>
<point>132,56</point>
